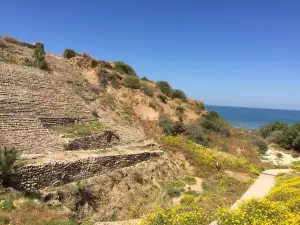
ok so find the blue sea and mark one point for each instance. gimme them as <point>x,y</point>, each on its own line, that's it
<point>253,118</point>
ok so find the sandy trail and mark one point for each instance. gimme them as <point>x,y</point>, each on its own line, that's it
<point>260,187</point>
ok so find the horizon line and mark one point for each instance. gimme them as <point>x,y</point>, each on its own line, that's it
<point>252,107</point>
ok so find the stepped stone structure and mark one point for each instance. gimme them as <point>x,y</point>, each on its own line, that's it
<point>30,100</point>
<point>32,177</point>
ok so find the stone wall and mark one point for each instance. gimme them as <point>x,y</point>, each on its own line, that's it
<point>106,138</point>
<point>35,177</point>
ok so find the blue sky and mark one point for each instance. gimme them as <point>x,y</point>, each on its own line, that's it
<point>237,53</point>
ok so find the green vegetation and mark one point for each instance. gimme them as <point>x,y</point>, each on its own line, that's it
<point>163,98</point>
<point>148,89</point>
<point>196,134</point>
<point>261,143</point>
<point>8,160</point>
<point>79,129</point>
<point>132,82</point>
<point>7,60</point>
<point>165,88</point>
<point>124,68</point>
<point>189,180</point>
<point>205,159</point>
<point>179,94</point>
<point>69,53</point>
<point>169,127</point>
<point>39,56</point>
<point>220,191</point>
<point>145,79</point>
<point>175,188</point>
<point>285,136</point>
<point>213,122</point>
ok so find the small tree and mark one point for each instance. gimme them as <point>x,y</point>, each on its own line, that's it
<point>69,53</point>
<point>8,159</point>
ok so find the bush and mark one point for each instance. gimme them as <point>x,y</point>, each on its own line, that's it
<point>132,82</point>
<point>266,130</point>
<point>196,134</point>
<point>165,88</point>
<point>69,53</point>
<point>189,180</point>
<point>8,159</point>
<point>103,76</point>
<point>261,143</point>
<point>162,98</point>
<point>124,68</point>
<point>39,56</point>
<point>113,79</point>
<point>169,127</point>
<point>145,79</point>
<point>147,89</point>
<point>3,43</point>
<point>175,188</point>
<point>179,94</point>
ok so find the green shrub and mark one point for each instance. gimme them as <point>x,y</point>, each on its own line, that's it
<point>189,180</point>
<point>132,82</point>
<point>6,204</point>
<point>8,159</point>
<point>147,89</point>
<point>4,220</point>
<point>162,98</point>
<point>210,125</point>
<point>187,199</point>
<point>145,79</point>
<point>39,56</point>
<point>165,88</point>
<point>175,188</point>
<point>266,130</point>
<point>69,53</point>
<point>196,134</point>
<point>124,68</point>
<point>260,142</point>
<point>169,127</point>
<point>179,94</point>
<point>103,76</point>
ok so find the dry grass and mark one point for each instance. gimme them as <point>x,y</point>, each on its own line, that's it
<point>28,215</point>
<point>12,40</point>
<point>3,43</point>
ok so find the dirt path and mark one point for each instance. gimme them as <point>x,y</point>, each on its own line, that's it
<point>260,187</point>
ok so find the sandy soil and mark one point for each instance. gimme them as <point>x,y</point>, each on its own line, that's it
<point>278,157</point>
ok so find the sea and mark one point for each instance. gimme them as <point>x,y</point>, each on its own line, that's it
<point>253,118</point>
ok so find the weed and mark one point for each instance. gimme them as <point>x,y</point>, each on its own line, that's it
<point>79,130</point>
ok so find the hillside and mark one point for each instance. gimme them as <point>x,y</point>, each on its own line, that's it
<point>99,143</point>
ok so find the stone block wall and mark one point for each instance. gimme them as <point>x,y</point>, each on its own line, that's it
<point>106,138</point>
<point>35,177</point>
